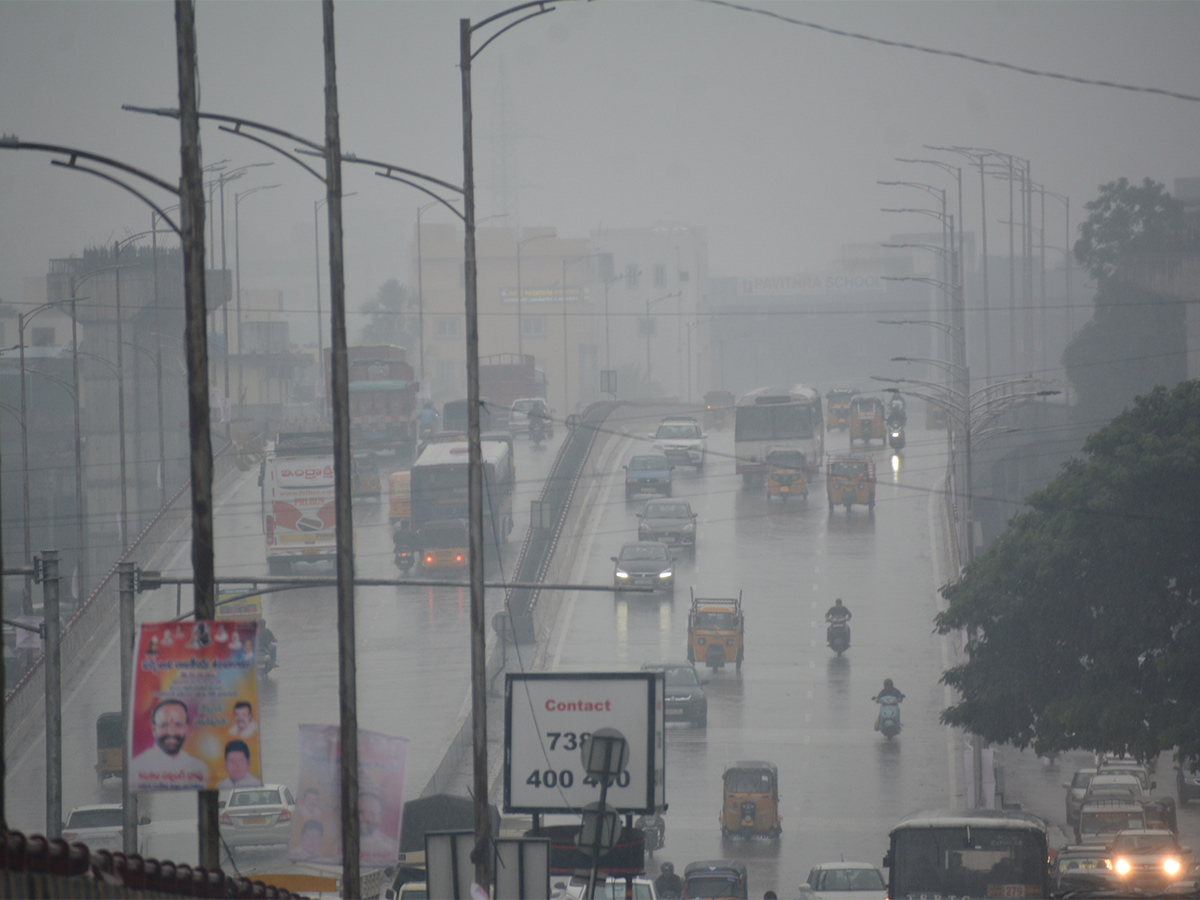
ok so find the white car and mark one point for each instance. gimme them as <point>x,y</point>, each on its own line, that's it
<point>845,881</point>
<point>258,815</point>
<point>681,440</point>
<point>99,826</point>
<point>612,889</point>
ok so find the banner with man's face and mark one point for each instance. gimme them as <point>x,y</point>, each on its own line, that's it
<point>317,820</point>
<point>194,707</point>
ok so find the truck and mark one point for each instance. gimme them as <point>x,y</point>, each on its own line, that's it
<point>298,502</point>
<point>383,397</point>
<point>505,377</point>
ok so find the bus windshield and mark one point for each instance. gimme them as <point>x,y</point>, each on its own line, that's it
<point>968,861</point>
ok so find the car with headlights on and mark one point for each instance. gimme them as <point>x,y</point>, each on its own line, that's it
<point>669,521</point>
<point>644,564</point>
<point>1148,859</point>
<point>681,440</point>
<point>684,699</point>
<point>258,815</point>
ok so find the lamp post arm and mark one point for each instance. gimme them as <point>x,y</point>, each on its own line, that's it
<point>264,142</point>
<point>424,190</point>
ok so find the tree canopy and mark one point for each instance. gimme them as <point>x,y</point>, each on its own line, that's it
<point>1124,219</point>
<point>1083,616</point>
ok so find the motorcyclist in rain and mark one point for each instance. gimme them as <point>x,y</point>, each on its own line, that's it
<point>266,642</point>
<point>836,614</point>
<point>668,885</point>
<point>890,691</point>
<point>897,417</point>
<point>427,418</point>
<point>404,539</point>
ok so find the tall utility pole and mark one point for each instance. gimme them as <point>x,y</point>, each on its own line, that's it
<point>191,196</point>
<point>344,525</point>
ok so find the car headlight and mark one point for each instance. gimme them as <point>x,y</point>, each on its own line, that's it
<point>643,529</point>
<point>1122,867</point>
<point>666,574</point>
<point>621,573</point>
<point>1171,866</point>
<point>688,529</point>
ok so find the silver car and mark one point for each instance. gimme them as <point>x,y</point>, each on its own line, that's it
<point>669,521</point>
<point>258,815</point>
<point>99,826</point>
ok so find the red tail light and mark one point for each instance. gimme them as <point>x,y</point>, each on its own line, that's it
<point>225,820</point>
<point>458,558</point>
<point>285,816</point>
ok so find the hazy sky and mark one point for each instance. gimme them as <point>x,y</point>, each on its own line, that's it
<point>610,113</point>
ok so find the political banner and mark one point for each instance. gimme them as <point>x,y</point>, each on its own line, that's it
<point>193,721</point>
<point>317,821</point>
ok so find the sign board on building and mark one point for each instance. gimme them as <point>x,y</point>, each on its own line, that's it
<point>548,715</point>
<point>542,295</point>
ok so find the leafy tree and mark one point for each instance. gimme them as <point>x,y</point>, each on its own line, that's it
<point>1135,338</point>
<point>1127,219</point>
<point>388,318</point>
<point>1084,616</point>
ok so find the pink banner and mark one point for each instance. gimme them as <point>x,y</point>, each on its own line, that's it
<point>317,823</point>
<point>194,710</point>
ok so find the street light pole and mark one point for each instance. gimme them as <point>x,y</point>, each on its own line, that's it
<point>237,266</point>
<point>421,299</point>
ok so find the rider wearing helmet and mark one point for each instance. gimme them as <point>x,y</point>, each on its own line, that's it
<point>668,885</point>
<point>889,690</point>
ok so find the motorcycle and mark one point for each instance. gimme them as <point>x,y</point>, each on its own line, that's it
<point>405,560</point>
<point>896,434</point>
<point>888,723</point>
<point>537,430</point>
<point>654,832</point>
<point>266,659</point>
<point>838,637</point>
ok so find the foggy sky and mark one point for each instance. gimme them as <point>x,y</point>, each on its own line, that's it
<point>608,113</point>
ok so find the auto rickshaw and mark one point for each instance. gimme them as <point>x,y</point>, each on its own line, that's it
<point>110,738</point>
<point>850,480</point>
<point>867,420</point>
<point>785,474</point>
<point>718,409</point>
<point>399,499</point>
<point>716,631</point>
<point>751,802</point>
<point>365,475</point>
<point>725,878</point>
<point>837,414</point>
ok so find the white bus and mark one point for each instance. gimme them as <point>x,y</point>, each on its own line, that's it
<point>298,500</point>
<point>778,419</point>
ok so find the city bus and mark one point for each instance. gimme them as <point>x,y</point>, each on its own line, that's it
<point>778,419</point>
<point>969,853</point>
<point>438,487</point>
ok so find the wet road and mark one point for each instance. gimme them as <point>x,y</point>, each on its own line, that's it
<point>413,662</point>
<point>794,703</point>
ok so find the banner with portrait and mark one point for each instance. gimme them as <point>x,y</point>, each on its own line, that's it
<point>193,722</point>
<point>317,820</point>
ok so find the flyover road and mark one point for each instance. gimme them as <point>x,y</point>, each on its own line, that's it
<point>413,655</point>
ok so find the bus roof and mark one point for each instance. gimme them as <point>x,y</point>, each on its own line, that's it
<point>972,818</point>
<point>765,396</point>
<point>455,453</point>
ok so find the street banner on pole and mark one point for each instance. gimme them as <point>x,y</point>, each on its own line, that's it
<point>193,721</point>
<point>316,824</point>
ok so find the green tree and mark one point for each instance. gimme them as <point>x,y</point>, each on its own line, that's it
<point>1127,219</point>
<point>1135,338</point>
<point>389,320</point>
<point>1084,616</point>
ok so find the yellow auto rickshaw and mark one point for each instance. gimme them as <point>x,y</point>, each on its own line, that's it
<point>785,474</point>
<point>867,420</point>
<point>718,409</point>
<point>399,499</point>
<point>364,472</point>
<point>751,803</point>
<point>716,631</point>
<point>850,480</point>
<point>110,738</point>
<point>838,412</point>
